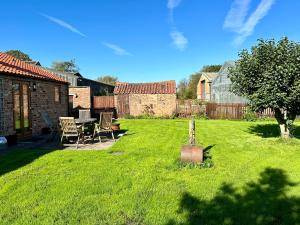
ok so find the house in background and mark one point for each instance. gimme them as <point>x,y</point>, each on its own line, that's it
<point>221,85</point>
<point>215,87</point>
<point>70,77</point>
<point>158,98</point>
<point>26,92</point>
<point>204,86</point>
<point>82,90</point>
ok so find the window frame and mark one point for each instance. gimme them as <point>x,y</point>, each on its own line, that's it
<point>57,95</point>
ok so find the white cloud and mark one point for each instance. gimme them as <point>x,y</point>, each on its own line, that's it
<point>235,19</point>
<point>173,4</point>
<point>63,24</point>
<point>117,49</point>
<point>179,40</point>
<point>237,14</point>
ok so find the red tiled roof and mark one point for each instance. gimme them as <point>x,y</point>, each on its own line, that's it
<point>13,66</point>
<point>163,87</point>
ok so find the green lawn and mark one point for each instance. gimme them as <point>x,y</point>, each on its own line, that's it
<point>255,179</point>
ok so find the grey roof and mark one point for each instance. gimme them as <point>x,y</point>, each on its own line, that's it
<point>62,72</point>
<point>84,78</point>
<point>226,65</point>
<point>210,75</point>
<point>36,63</point>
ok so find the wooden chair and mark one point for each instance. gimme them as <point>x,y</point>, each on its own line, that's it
<point>104,125</point>
<point>69,129</point>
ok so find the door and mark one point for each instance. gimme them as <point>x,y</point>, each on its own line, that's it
<point>203,90</point>
<point>21,99</point>
<point>123,105</point>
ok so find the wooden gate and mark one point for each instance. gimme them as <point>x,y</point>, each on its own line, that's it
<point>123,105</point>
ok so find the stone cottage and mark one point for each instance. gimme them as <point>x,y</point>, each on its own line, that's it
<point>204,86</point>
<point>26,92</point>
<point>157,99</point>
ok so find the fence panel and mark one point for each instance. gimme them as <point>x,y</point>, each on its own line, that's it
<point>103,102</point>
<point>225,110</point>
<point>186,108</point>
<point>233,111</point>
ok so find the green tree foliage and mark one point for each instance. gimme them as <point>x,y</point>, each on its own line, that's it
<point>187,89</point>
<point>192,85</point>
<point>66,66</point>
<point>211,68</point>
<point>19,55</point>
<point>269,76</point>
<point>182,90</point>
<point>108,79</point>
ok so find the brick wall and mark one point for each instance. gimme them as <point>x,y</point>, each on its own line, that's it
<point>42,100</point>
<point>8,107</point>
<point>81,97</point>
<point>159,104</point>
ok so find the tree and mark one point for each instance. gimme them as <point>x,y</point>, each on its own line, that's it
<point>108,79</point>
<point>211,68</point>
<point>19,55</point>
<point>66,66</point>
<point>192,85</point>
<point>269,76</point>
<point>183,91</point>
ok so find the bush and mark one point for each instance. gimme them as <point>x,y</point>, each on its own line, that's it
<point>148,116</point>
<point>249,115</point>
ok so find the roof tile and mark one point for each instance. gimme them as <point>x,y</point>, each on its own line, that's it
<point>163,87</point>
<point>11,65</point>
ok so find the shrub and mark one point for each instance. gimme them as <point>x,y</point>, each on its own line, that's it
<point>249,115</point>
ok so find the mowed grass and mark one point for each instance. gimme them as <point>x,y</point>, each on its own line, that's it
<point>255,178</point>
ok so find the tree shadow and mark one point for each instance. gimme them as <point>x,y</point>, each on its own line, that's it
<point>262,202</point>
<point>19,158</point>
<point>271,130</point>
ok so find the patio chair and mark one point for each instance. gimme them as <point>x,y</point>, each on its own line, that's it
<point>104,126</point>
<point>84,114</point>
<point>50,124</point>
<point>70,129</point>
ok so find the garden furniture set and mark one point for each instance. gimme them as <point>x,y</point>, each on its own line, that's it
<point>81,128</point>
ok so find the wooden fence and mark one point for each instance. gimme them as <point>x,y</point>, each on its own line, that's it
<point>103,102</point>
<point>186,108</point>
<point>225,111</point>
<point>235,111</point>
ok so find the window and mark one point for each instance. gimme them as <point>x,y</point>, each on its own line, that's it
<point>57,94</point>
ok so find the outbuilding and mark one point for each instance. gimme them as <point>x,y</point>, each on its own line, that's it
<point>156,99</point>
<point>27,92</point>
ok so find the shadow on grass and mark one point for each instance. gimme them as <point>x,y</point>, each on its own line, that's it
<point>19,158</point>
<point>262,202</point>
<point>271,130</point>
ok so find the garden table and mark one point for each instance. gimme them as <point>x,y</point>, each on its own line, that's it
<point>84,121</point>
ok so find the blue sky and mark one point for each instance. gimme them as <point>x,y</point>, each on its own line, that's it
<point>143,40</point>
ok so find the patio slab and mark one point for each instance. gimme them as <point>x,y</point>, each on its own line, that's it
<point>43,142</point>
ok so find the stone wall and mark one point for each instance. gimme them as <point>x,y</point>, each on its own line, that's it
<point>158,104</point>
<point>42,100</point>
<point>207,88</point>
<point>81,97</point>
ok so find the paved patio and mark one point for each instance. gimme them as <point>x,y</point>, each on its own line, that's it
<point>43,142</point>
